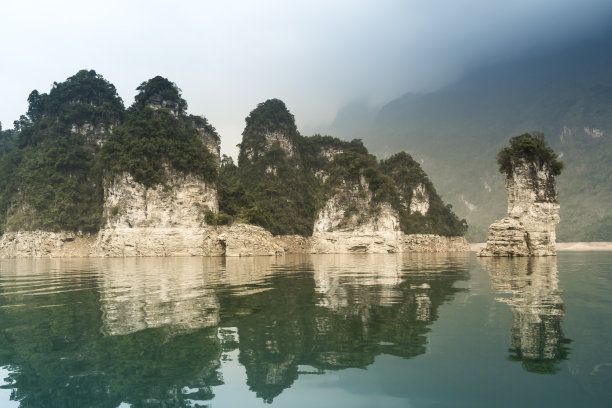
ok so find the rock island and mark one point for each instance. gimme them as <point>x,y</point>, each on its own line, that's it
<point>530,167</point>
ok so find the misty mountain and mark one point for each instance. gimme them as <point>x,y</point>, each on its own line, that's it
<point>456,132</point>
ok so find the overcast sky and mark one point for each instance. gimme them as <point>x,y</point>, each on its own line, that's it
<point>317,56</point>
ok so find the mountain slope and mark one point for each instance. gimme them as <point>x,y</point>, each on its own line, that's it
<point>456,132</point>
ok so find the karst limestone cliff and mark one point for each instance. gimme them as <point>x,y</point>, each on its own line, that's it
<point>149,181</point>
<point>165,219</point>
<point>350,222</point>
<point>533,213</point>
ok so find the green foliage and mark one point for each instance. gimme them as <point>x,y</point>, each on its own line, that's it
<point>7,140</point>
<point>53,178</point>
<point>219,218</point>
<point>84,97</point>
<point>48,181</point>
<point>406,174</point>
<point>147,140</point>
<point>51,186</point>
<point>281,192</point>
<point>269,117</point>
<point>530,148</point>
<point>161,92</point>
<point>271,189</point>
<point>202,123</point>
<point>150,139</point>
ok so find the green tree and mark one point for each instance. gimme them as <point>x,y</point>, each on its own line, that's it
<point>532,148</point>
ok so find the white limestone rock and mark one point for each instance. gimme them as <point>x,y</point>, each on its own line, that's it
<point>350,223</point>
<point>420,200</point>
<point>533,214</point>
<point>45,244</point>
<point>181,202</point>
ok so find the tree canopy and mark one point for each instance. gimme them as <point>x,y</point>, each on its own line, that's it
<point>160,91</point>
<point>532,148</point>
<point>52,172</point>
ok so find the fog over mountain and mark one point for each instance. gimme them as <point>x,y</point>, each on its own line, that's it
<point>456,132</point>
<point>315,55</point>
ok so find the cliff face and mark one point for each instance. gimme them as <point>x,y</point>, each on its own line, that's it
<point>169,220</point>
<point>533,214</point>
<point>420,200</point>
<point>181,201</point>
<point>208,136</point>
<point>161,220</point>
<point>351,222</point>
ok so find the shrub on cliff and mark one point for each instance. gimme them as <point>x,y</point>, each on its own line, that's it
<point>532,148</point>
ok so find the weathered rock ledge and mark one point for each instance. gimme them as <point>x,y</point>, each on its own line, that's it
<point>533,214</point>
<point>233,241</point>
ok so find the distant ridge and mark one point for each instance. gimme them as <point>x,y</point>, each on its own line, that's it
<point>456,131</point>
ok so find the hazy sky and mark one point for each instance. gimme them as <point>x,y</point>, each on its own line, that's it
<point>227,56</point>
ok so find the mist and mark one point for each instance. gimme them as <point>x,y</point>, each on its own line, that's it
<point>317,56</point>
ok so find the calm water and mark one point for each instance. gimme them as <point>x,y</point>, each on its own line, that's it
<point>307,331</point>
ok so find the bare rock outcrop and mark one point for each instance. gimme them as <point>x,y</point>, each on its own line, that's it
<point>169,220</point>
<point>45,244</point>
<point>420,200</point>
<point>533,214</point>
<point>351,223</point>
<point>181,201</point>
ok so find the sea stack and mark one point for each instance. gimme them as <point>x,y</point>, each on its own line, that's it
<point>530,167</point>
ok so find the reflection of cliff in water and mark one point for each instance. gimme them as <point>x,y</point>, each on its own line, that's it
<point>141,293</point>
<point>355,308</point>
<point>152,332</point>
<point>537,340</point>
<point>58,356</point>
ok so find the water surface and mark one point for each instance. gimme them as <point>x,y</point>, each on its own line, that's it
<point>303,331</point>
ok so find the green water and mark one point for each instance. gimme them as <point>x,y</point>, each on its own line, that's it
<point>307,331</point>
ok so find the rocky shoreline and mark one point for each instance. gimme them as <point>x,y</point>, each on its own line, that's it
<point>238,240</point>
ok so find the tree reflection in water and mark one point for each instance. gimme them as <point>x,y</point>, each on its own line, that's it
<point>537,340</point>
<point>152,332</point>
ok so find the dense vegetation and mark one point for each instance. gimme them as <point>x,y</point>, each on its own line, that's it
<point>48,180</point>
<point>160,92</point>
<point>52,167</point>
<point>56,160</point>
<point>155,134</point>
<point>7,138</point>
<point>283,179</point>
<point>271,188</point>
<point>532,149</point>
<point>407,174</point>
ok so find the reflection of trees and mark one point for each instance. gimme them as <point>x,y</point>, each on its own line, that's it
<point>356,308</point>
<point>150,332</point>
<point>58,356</point>
<point>536,336</point>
